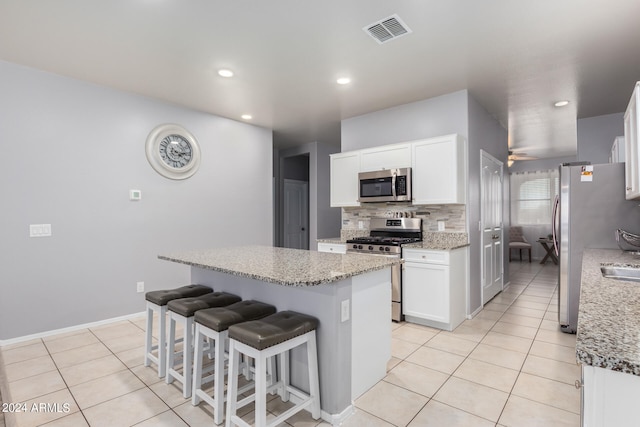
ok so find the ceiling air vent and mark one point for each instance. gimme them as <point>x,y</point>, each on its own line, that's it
<point>387,29</point>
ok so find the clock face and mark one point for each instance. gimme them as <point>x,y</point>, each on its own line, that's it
<point>175,151</point>
<point>172,151</point>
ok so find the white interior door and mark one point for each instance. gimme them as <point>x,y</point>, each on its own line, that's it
<point>491,202</point>
<point>296,214</point>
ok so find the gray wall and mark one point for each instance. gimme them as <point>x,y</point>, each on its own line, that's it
<point>596,135</point>
<point>324,221</point>
<point>72,151</point>
<point>457,113</point>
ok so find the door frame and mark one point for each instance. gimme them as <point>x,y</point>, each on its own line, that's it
<point>483,155</point>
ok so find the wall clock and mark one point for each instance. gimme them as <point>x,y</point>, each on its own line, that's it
<point>173,151</point>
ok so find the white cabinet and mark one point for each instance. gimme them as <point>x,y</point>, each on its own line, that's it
<point>617,151</point>
<point>631,126</point>
<point>385,157</point>
<point>439,169</point>
<point>344,179</point>
<point>336,248</point>
<point>609,398</point>
<point>434,287</point>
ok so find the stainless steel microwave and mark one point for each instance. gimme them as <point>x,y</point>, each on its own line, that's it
<point>388,185</point>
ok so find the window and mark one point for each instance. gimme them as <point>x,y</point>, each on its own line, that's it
<point>532,196</point>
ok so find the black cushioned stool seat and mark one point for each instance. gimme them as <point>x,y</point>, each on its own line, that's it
<point>157,302</point>
<point>214,323</point>
<point>182,311</point>
<point>163,297</point>
<point>272,330</point>
<point>262,340</point>
<point>220,318</point>
<point>188,306</point>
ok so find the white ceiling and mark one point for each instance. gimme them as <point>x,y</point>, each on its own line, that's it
<point>516,57</point>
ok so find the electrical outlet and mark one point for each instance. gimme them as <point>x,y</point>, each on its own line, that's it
<point>344,311</point>
<point>440,225</point>
<point>140,286</point>
<point>39,230</point>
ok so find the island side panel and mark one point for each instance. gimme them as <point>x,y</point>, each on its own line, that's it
<point>333,336</point>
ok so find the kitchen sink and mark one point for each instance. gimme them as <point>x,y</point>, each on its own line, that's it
<point>621,273</point>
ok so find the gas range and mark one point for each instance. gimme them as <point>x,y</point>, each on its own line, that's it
<point>387,236</point>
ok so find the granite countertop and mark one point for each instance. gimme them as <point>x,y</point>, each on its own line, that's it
<point>289,267</point>
<point>609,314</point>
<point>332,240</point>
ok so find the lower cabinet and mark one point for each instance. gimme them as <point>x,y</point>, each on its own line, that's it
<point>337,248</point>
<point>434,287</point>
<point>609,398</point>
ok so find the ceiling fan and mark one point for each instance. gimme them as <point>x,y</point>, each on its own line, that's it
<point>515,156</point>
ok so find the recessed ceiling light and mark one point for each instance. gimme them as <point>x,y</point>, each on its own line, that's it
<point>247,116</point>
<point>343,80</point>
<point>561,103</point>
<point>225,73</point>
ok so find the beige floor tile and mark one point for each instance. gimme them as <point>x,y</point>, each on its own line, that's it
<point>552,393</point>
<point>498,356</point>
<point>530,322</point>
<point>467,333</point>
<point>132,357</point>
<point>521,412</point>
<point>560,353</point>
<point>532,298</point>
<point>392,363</point>
<point>414,335</point>
<point>487,374</point>
<point>494,306</point>
<point>115,330</point>
<point>391,403</point>
<point>92,369</point>
<point>125,342</point>
<point>22,353</point>
<point>529,312</point>
<point>126,410</point>
<point>362,418</point>
<point>171,394</point>
<point>165,419</point>
<point>75,356</point>
<point>451,344</point>
<point>302,419</point>
<point>201,415</point>
<point>506,299</point>
<point>65,334</point>
<point>35,386</point>
<point>401,349</point>
<point>482,323</point>
<point>476,399</point>
<point>60,404</point>
<point>550,325</point>
<point>487,315</point>
<point>28,368</point>
<point>515,330</point>
<point>436,359</point>
<point>557,337</point>
<point>531,304</point>
<point>436,414</point>
<point>73,420</point>
<point>552,369</point>
<point>416,378</point>
<point>550,315</point>
<point>148,375</point>
<point>101,389</point>
<point>508,342</point>
<point>20,344</point>
<point>70,342</point>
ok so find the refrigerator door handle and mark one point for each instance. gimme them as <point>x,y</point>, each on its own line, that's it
<point>554,225</point>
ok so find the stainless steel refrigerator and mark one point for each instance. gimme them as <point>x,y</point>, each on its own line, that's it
<point>590,207</point>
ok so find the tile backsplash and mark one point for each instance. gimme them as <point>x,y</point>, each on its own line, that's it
<point>355,221</point>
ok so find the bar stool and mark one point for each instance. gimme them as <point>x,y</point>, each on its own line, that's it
<point>182,310</point>
<point>157,302</point>
<point>214,323</point>
<point>260,339</point>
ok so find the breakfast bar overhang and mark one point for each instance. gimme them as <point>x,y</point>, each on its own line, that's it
<point>349,294</point>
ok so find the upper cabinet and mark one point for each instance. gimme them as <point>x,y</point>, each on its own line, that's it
<point>631,125</point>
<point>617,150</point>
<point>385,157</point>
<point>344,179</point>
<point>439,171</point>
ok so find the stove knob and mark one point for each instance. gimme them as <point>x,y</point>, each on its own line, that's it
<point>382,248</point>
<point>370,248</point>
<point>355,246</point>
<point>359,246</point>
<point>386,249</point>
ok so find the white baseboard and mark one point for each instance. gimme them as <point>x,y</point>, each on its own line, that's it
<point>69,329</point>
<point>475,313</point>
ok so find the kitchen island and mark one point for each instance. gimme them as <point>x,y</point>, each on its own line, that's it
<point>349,294</point>
<point>608,341</point>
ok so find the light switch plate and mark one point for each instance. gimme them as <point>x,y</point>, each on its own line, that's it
<point>135,195</point>
<point>39,230</point>
<point>344,310</point>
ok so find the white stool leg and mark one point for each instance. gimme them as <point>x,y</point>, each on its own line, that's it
<point>284,376</point>
<point>162,343</point>
<point>187,357</point>
<point>218,377</point>
<point>148,347</point>
<point>171,351</point>
<point>314,382</point>
<point>198,353</point>
<point>232,386</point>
